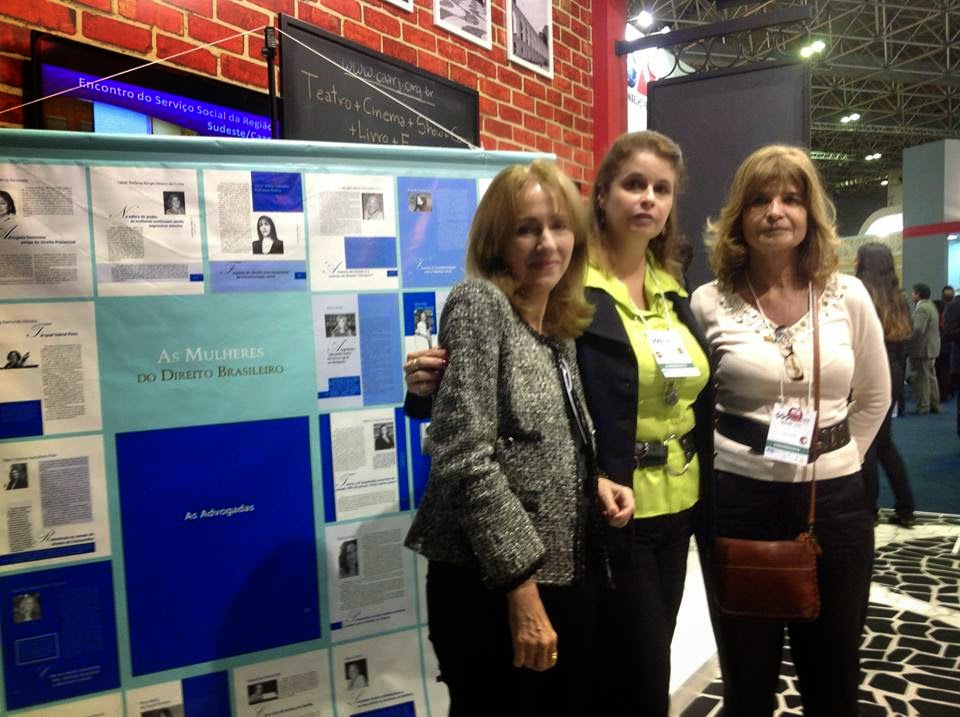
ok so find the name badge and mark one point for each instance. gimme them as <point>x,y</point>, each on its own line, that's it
<point>670,354</point>
<point>790,435</point>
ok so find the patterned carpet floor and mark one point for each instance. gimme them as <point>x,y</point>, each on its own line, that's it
<point>911,646</point>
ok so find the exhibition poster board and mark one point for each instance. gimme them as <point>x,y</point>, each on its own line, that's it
<point>208,474</point>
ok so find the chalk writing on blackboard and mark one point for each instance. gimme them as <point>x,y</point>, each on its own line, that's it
<point>339,91</point>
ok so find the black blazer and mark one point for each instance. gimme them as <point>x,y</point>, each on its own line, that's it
<point>608,370</point>
<point>277,247</point>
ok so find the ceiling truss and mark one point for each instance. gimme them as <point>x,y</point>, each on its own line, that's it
<point>895,62</point>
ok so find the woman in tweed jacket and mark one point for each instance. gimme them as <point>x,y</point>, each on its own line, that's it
<point>510,520</point>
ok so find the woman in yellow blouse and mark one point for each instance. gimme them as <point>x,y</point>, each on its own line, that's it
<point>644,367</point>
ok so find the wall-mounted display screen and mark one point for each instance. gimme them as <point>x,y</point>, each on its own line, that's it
<point>153,100</point>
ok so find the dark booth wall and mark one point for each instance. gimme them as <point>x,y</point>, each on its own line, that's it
<point>718,119</point>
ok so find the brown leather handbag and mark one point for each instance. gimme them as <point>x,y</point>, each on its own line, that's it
<point>773,579</point>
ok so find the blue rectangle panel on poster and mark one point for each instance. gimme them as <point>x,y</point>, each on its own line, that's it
<point>404,709</point>
<point>400,427</point>
<point>419,460</point>
<point>21,418</point>
<point>206,695</point>
<point>277,191</point>
<point>219,542</point>
<point>380,358</point>
<point>59,634</point>
<point>29,556</point>
<point>370,252</point>
<point>435,216</point>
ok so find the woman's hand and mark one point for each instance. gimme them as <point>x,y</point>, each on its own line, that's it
<point>616,502</point>
<point>534,639</point>
<point>423,370</point>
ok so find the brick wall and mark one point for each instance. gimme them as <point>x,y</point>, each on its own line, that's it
<point>519,109</point>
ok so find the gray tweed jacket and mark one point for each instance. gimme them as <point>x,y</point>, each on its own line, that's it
<point>509,492</point>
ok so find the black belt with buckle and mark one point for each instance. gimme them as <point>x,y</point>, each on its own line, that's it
<point>754,433</point>
<point>647,454</point>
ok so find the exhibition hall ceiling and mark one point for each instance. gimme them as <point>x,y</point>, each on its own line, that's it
<point>896,63</point>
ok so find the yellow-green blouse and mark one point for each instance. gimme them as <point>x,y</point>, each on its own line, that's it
<point>659,490</point>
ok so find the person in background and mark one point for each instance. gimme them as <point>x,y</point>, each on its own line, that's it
<point>876,270</point>
<point>924,349</point>
<point>773,249</point>
<point>951,331</point>
<point>942,364</point>
<point>511,517</point>
<point>654,422</point>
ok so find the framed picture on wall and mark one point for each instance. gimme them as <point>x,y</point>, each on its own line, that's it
<point>530,34</point>
<point>405,4</point>
<point>470,19</point>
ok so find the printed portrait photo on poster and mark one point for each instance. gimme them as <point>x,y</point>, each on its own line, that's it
<point>349,560</point>
<point>420,201</point>
<point>262,692</point>
<point>26,608</point>
<point>383,439</point>
<point>372,205</point>
<point>17,477</point>
<point>174,203</point>
<point>356,673</point>
<point>267,241</point>
<point>340,325</point>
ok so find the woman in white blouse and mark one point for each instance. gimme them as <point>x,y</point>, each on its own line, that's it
<point>773,251</point>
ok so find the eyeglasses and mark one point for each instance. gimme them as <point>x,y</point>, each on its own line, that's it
<point>791,364</point>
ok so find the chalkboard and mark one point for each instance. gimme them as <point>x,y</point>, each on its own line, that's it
<point>323,102</point>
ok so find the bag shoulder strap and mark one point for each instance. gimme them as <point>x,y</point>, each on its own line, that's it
<point>815,311</point>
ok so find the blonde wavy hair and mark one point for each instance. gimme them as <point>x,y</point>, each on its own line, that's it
<point>666,247</point>
<point>495,225</point>
<point>778,165</point>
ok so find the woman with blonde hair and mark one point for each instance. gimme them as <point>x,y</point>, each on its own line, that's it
<point>876,270</point>
<point>511,517</point>
<point>773,251</point>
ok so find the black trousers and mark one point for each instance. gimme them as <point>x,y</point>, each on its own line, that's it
<point>884,453</point>
<point>638,617</point>
<point>470,632</point>
<point>826,652</point>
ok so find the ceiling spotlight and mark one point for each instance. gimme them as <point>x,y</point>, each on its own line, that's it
<point>644,19</point>
<point>844,119</point>
<point>884,182</point>
<point>854,116</point>
<point>813,48</point>
<point>871,157</point>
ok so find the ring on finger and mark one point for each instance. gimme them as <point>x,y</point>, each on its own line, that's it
<point>415,365</point>
<point>553,657</point>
